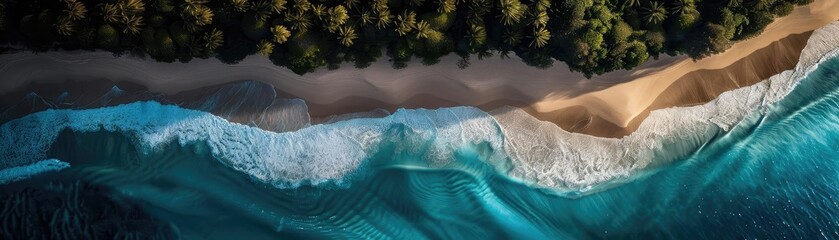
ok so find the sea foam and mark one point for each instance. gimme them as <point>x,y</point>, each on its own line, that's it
<point>13,174</point>
<point>315,154</point>
<point>551,157</point>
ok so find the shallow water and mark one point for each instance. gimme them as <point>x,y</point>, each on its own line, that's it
<point>429,175</point>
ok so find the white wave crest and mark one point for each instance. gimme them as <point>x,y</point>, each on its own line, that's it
<point>14,174</point>
<point>551,157</point>
<point>315,154</point>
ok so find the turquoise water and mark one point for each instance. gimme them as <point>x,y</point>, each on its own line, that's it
<point>773,176</point>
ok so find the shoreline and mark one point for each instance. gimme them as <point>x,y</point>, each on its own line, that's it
<point>621,99</point>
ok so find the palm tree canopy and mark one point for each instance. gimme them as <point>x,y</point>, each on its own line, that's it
<point>337,16</point>
<point>512,37</point>
<point>405,22</point>
<point>213,39</point>
<point>540,38</point>
<point>346,35</point>
<point>278,5</point>
<point>280,33</point>
<point>75,10</point>
<point>423,29</point>
<point>511,11</point>
<point>383,19</point>
<point>299,21</point>
<point>240,5</point>
<point>265,48</point>
<point>446,6</point>
<point>655,13</point>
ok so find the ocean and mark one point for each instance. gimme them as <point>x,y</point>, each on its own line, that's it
<point>417,174</point>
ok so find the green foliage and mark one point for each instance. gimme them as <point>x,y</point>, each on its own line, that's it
<point>756,22</point>
<point>196,15</point>
<point>783,9</point>
<point>683,23</point>
<point>621,32</point>
<point>438,20</point>
<point>165,46</point>
<point>162,6</point>
<point>213,40</point>
<point>477,37</point>
<point>655,42</point>
<point>591,36</point>
<point>254,27</point>
<point>305,53</point>
<point>180,35</point>
<point>636,54</point>
<point>711,39</point>
<point>405,22</point>
<point>127,13</point>
<point>157,20</point>
<point>337,17</point>
<point>107,37</point>
<point>85,37</point>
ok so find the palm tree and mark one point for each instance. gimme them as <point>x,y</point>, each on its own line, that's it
<point>630,3</point>
<point>540,38</point>
<point>111,13</point>
<point>75,10</point>
<point>350,4</point>
<point>126,12</point>
<point>302,6</point>
<point>655,13</point>
<point>122,10</point>
<point>380,5</point>
<point>196,16</point>
<point>346,35</point>
<point>263,10</point>
<point>366,17</point>
<point>320,11</point>
<point>240,5</point>
<point>265,48</point>
<point>133,24</point>
<point>405,22</point>
<point>278,5</point>
<point>134,7</point>
<point>383,19</point>
<point>65,26</point>
<point>682,6</point>
<point>423,29</point>
<point>281,34</point>
<point>446,6</point>
<point>512,37</point>
<point>543,5</point>
<point>477,36</point>
<point>213,39</point>
<point>511,11</point>
<point>299,21</point>
<point>479,8</point>
<point>337,17</point>
<point>540,19</point>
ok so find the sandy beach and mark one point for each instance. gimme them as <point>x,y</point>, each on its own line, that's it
<point>610,105</point>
